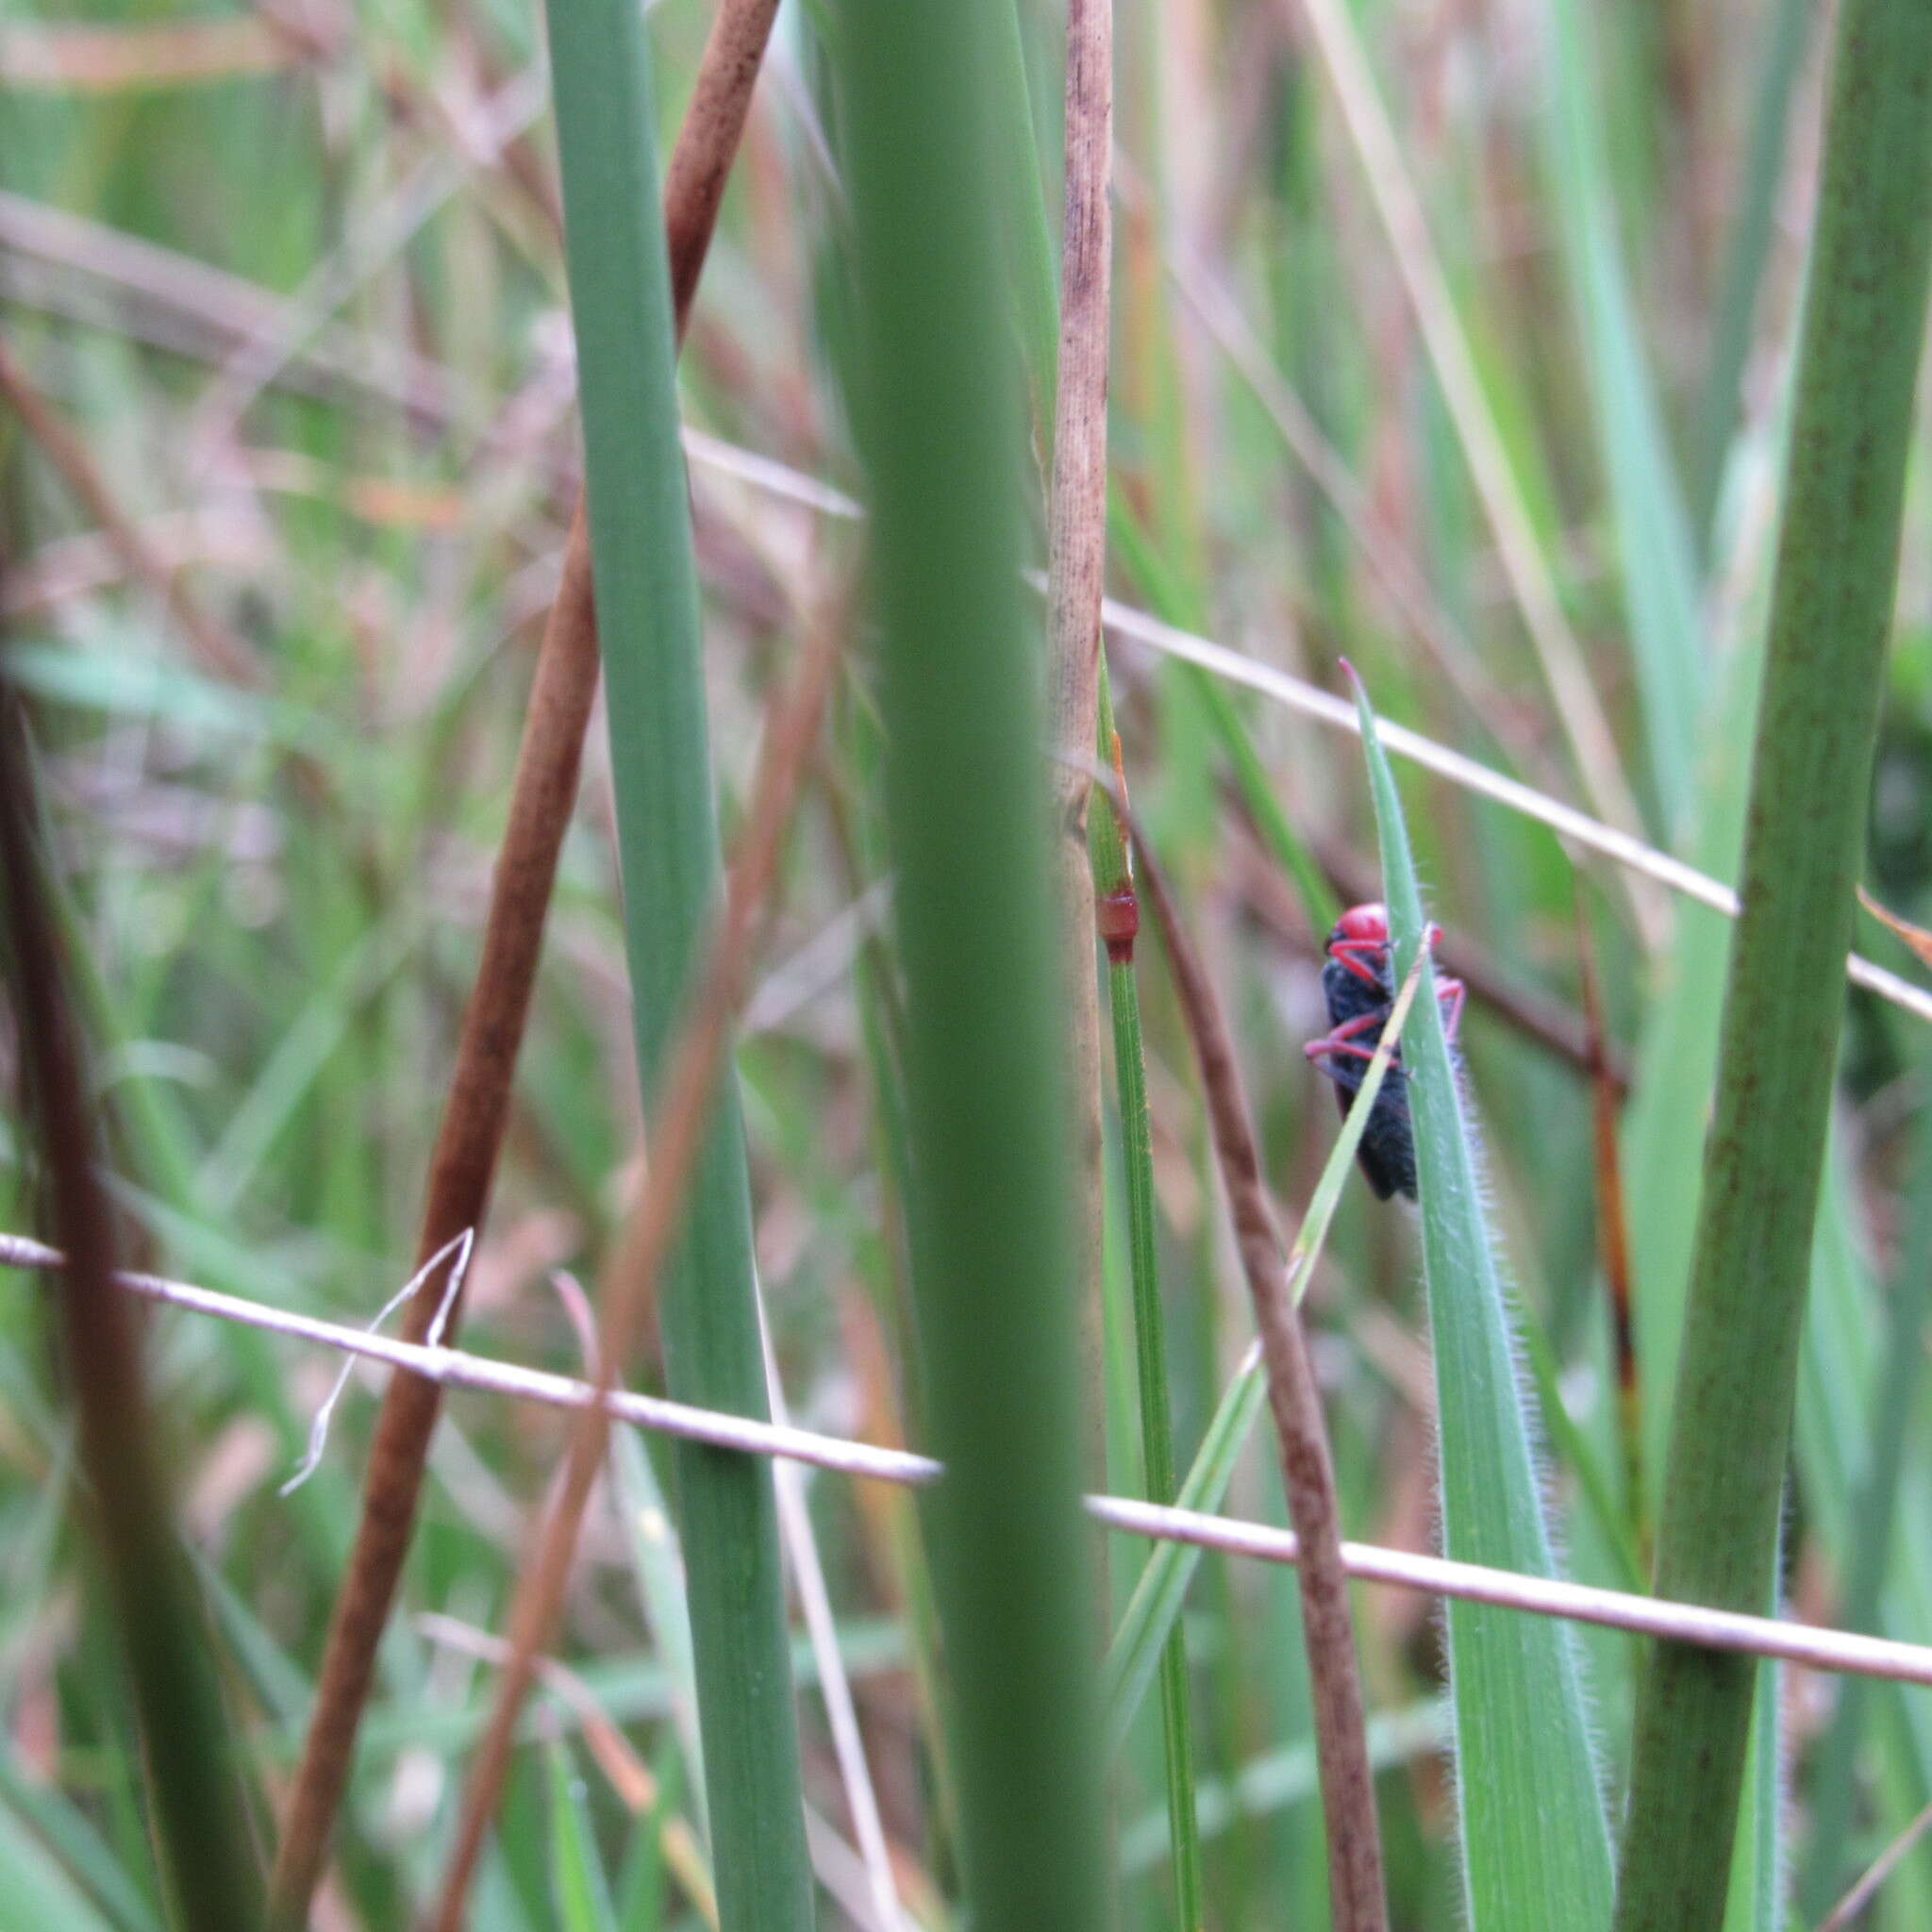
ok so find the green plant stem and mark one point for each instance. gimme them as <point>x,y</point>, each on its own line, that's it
<point>647,608</point>
<point>1831,602</point>
<point>1113,885</point>
<point>936,402</point>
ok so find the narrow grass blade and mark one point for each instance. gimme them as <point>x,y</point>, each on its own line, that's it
<point>966,795</point>
<point>36,1889</point>
<point>1872,1523</point>
<point>578,1889</point>
<point>1119,921</point>
<point>1831,608</point>
<point>1154,1610</point>
<point>1536,1848</point>
<point>1754,230</point>
<point>1757,1899</point>
<point>647,610</point>
<point>1659,559</point>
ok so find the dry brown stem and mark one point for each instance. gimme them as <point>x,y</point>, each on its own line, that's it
<point>1076,567</point>
<point>1348,1790</point>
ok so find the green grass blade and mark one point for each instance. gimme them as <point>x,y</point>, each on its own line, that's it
<point>1831,606</point>
<point>1654,539</point>
<point>48,1839</point>
<point>1753,230</point>
<point>37,1890</point>
<point>651,1542</point>
<point>579,1888</point>
<point>1757,1899</point>
<point>1114,886</point>
<point>647,608</point>
<point>966,798</point>
<point>1872,1523</point>
<point>1535,1846</point>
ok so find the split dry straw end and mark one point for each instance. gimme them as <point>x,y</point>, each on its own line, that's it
<point>967,807</point>
<point>1830,616</point>
<point>464,1160</point>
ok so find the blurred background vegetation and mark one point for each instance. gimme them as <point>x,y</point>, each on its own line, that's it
<point>292,276</point>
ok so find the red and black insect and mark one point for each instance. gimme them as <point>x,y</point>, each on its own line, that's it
<point>1358,983</point>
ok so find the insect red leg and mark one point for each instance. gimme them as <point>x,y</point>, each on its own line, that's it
<point>1346,1049</point>
<point>1452,993</point>
<point>1344,1033</point>
<point>1363,957</point>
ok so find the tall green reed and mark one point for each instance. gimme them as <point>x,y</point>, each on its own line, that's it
<point>966,791</point>
<point>648,620</point>
<point>1837,555</point>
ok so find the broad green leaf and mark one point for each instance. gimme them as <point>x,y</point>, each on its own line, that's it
<point>1536,1847</point>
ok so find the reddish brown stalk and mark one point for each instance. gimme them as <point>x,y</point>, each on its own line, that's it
<point>1076,567</point>
<point>630,1284</point>
<point>464,1162</point>
<point>219,649</point>
<point>1348,1790</point>
<point>1613,1242</point>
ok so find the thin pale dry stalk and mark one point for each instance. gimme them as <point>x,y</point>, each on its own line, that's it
<point>219,649</point>
<point>630,1285</point>
<point>464,1162</point>
<point>627,1774</point>
<point>1847,1910</point>
<point>1348,1787</point>
<point>1076,567</point>
<point>1466,774</point>
<point>1805,1645</point>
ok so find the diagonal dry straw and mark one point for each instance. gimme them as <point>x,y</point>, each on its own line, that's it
<point>675,1140</point>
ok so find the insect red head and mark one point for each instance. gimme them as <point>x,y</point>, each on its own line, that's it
<point>1365,926</point>
<point>1359,944</point>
